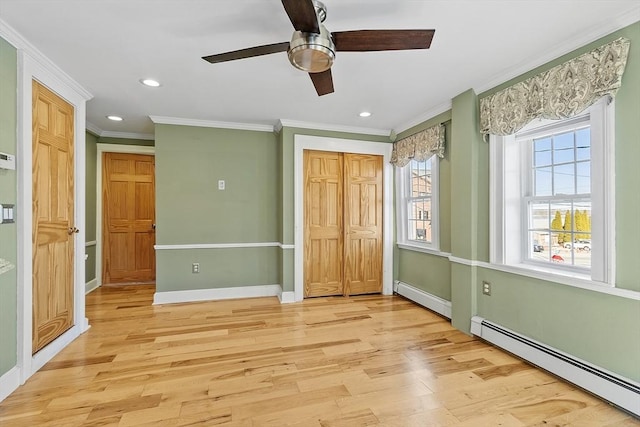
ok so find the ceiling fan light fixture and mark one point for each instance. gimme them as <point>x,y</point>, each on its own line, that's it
<point>311,52</point>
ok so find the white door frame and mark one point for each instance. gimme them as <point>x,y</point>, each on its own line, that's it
<point>31,66</point>
<point>110,148</point>
<point>308,142</point>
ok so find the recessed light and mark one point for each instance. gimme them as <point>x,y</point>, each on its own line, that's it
<point>365,114</point>
<point>115,118</point>
<point>150,82</point>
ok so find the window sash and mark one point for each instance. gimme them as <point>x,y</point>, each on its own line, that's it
<point>407,218</point>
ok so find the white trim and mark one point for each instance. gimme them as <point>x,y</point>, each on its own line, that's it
<point>332,128</point>
<point>423,249</point>
<point>109,148</point>
<point>94,129</point>
<point>213,294</point>
<point>425,299</point>
<point>210,124</point>
<point>427,115</point>
<point>308,142</point>
<point>89,244</point>
<point>91,128</point>
<point>50,351</point>
<point>593,378</point>
<point>14,38</point>
<point>9,382</point>
<point>90,286</point>
<point>128,135</point>
<point>562,48</point>
<point>283,246</point>
<point>287,297</point>
<point>217,246</point>
<point>34,66</point>
<point>562,278</point>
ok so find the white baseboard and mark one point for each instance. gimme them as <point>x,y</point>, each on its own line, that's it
<point>610,386</point>
<point>425,299</point>
<point>90,286</point>
<point>55,347</point>
<point>9,382</point>
<point>287,297</point>
<point>194,295</point>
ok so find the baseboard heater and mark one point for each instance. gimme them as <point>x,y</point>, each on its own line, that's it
<point>618,390</point>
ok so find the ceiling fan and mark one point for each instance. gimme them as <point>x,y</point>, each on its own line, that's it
<point>313,49</point>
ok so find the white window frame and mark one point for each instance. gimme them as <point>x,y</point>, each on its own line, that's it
<point>509,181</point>
<point>403,181</point>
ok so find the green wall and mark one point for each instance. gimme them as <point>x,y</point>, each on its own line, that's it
<point>594,326</point>
<point>597,327</point>
<point>90,204</point>
<point>191,210</point>
<point>8,232</point>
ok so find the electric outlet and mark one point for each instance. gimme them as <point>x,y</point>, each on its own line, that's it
<point>486,288</point>
<point>195,267</point>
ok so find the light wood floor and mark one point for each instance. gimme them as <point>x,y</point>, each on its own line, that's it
<point>326,362</point>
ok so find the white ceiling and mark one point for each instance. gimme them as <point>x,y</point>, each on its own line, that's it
<point>108,46</point>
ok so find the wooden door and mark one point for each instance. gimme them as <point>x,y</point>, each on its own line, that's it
<point>323,231</point>
<point>363,224</point>
<point>53,216</point>
<point>128,218</point>
<point>342,223</point>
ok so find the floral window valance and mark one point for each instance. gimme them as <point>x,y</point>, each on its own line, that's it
<point>561,92</point>
<point>419,146</point>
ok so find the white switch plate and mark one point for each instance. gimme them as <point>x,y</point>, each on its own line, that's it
<point>221,184</point>
<point>6,214</point>
<point>7,161</point>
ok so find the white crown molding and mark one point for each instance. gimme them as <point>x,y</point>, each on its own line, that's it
<point>91,128</point>
<point>14,38</point>
<point>562,48</point>
<point>431,113</point>
<point>210,124</point>
<point>128,135</point>
<point>333,128</point>
<point>124,135</point>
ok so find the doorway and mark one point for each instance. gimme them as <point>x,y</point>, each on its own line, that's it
<point>101,207</point>
<point>128,195</point>
<point>343,195</point>
<point>317,143</point>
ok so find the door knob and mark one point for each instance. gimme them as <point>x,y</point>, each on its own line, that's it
<point>72,230</point>
<point>153,226</point>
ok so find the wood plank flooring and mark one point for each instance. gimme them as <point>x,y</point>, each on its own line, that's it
<point>360,361</point>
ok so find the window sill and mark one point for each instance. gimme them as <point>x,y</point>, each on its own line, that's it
<point>423,249</point>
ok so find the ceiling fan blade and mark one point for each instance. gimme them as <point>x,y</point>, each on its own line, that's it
<point>323,82</point>
<point>248,53</point>
<point>302,14</point>
<point>375,40</point>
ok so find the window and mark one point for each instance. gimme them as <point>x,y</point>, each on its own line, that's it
<point>552,195</point>
<point>417,203</point>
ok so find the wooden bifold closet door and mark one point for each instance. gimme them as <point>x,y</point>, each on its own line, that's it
<point>342,223</point>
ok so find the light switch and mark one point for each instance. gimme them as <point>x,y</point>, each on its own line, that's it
<point>221,184</point>
<point>6,214</point>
